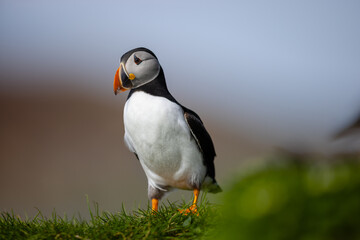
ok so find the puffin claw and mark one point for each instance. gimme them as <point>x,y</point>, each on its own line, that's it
<point>192,209</point>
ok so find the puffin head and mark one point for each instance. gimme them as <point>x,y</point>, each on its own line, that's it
<point>137,67</point>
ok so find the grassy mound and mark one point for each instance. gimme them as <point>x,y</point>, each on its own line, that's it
<point>284,199</point>
<point>168,223</point>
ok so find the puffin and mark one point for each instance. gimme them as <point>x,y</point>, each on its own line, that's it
<point>169,140</point>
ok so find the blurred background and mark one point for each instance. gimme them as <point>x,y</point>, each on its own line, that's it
<point>262,75</point>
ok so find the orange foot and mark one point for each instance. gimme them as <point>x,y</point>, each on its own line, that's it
<point>192,209</point>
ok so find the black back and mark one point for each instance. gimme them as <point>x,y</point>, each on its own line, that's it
<point>203,140</point>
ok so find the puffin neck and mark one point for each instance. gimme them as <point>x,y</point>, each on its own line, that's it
<point>156,87</point>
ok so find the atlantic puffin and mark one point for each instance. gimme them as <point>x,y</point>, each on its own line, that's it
<point>169,140</point>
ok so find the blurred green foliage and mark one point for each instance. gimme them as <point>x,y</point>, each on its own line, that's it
<point>294,200</point>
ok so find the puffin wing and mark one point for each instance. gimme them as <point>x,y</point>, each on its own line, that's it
<point>129,144</point>
<point>202,139</point>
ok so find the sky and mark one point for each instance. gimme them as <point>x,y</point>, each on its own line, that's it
<point>285,72</point>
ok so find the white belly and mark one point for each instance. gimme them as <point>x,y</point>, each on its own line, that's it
<point>156,130</point>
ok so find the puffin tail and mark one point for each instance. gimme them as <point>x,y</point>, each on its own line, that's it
<point>210,185</point>
<point>214,188</point>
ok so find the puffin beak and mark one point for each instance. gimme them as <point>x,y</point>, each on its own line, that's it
<point>121,80</point>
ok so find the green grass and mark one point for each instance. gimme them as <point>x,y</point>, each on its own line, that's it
<point>285,198</point>
<point>168,223</point>
<point>310,199</point>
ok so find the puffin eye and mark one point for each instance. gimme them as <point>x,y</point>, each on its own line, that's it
<point>137,60</point>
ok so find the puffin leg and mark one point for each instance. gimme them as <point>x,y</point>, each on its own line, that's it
<point>155,195</point>
<point>192,208</point>
<point>154,203</point>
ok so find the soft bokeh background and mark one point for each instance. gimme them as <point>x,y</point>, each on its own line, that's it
<point>261,74</point>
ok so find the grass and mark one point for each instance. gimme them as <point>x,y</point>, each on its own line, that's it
<point>284,198</point>
<point>307,198</point>
<point>168,223</point>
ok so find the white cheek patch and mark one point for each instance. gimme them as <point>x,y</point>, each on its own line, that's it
<point>146,71</point>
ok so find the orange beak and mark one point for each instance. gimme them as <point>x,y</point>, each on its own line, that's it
<point>118,87</point>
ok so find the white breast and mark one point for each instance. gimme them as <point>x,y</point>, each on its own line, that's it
<point>156,130</point>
